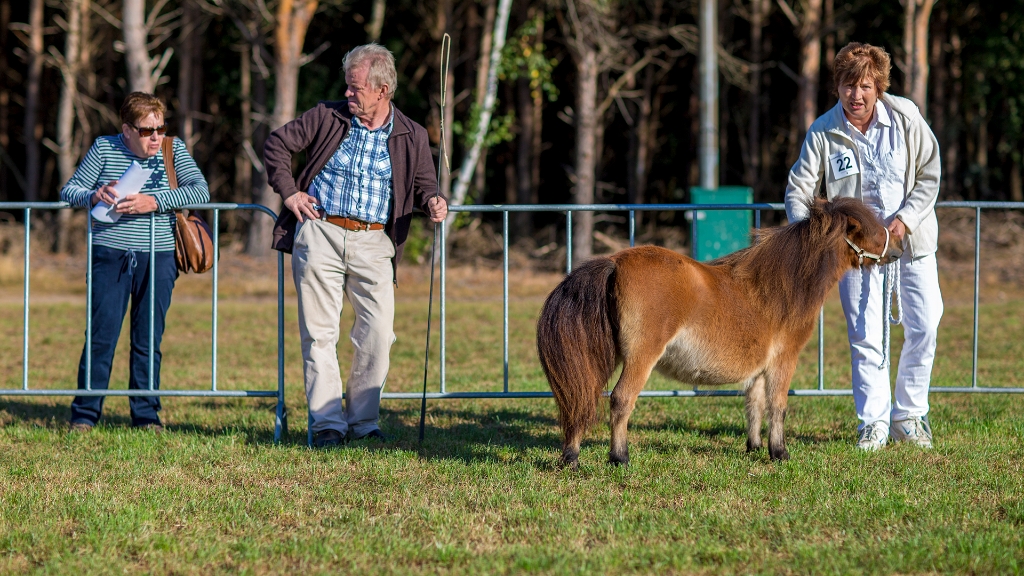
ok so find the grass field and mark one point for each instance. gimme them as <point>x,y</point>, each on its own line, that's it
<point>482,494</point>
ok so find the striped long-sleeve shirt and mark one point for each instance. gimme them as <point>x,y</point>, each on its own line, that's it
<point>108,158</point>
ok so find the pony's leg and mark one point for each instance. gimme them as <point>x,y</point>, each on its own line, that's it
<point>571,447</point>
<point>755,404</point>
<point>777,388</point>
<point>635,372</point>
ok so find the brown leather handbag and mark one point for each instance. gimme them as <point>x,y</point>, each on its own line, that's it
<point>193,242</point>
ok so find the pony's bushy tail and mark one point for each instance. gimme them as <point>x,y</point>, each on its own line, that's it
<point>577,342</point>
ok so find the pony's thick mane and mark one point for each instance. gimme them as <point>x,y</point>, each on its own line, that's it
<point>792,267</point>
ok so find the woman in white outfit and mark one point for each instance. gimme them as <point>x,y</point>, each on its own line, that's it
<point>877,147</point>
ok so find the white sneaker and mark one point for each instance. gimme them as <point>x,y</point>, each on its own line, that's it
<point>873,436</point>
<point>915,430</point>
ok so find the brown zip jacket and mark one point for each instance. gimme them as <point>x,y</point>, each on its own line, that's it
<point>319,131</point>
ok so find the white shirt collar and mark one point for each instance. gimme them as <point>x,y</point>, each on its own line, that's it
<point>880,116</point>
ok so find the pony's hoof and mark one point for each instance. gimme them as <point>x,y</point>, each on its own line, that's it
<point>753,447</point>
<point>780,454</point>
<point>618,460</point>
<point>570,460</point>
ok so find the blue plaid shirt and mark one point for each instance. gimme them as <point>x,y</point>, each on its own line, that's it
<point>356,181</point>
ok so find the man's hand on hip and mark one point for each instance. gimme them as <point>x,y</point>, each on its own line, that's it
<point>438,209</point>
<point>301,204</point>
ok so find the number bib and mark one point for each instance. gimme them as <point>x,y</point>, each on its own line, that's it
<point>843,164</point>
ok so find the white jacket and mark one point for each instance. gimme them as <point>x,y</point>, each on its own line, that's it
<point>828,135</point>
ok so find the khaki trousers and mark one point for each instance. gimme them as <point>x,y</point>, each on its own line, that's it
<point>328,263</point>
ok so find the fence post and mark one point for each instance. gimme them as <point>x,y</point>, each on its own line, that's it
<point>977,276</point>
<point>568,242</point>
<point>88,301</point>
<point>152,293</point>
<point>25,280</point>
<point>504,299</point>
<point>216,299</point>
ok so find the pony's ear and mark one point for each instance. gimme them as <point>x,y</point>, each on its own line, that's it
<point>853,227</point>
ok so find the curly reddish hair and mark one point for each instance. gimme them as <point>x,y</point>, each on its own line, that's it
<point>138,105</point>
<point>856,61</point>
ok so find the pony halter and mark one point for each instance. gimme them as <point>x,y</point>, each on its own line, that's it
<point>862,253</point>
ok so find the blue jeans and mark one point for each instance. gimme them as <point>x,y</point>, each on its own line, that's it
<point>117,276</point>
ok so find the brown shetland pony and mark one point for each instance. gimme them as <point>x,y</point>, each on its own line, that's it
<point>741,318</point>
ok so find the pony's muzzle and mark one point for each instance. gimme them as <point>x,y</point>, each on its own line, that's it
<point>895,251</point>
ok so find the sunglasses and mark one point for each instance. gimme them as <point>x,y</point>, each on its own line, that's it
<point>147,132</point>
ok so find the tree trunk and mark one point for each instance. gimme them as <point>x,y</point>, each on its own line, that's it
<point>469,162</point>
<point>917,13</point>
<point>482,66</point>
<point>752,163</point>
<point>981,185</point>
<point>537,146</point>
<point>810,66</point>
<point>646,132</point>
<point>5,97</point>
<point>830,32</point>
<point>133,24</point>
<point>530,107</point>
<point>939,81</point>
<point>67,157</point>
<point>586,164</point>
<point>243,163</point>
<point>33,130</point>
<point>292,21</point>
<point>188,39</point>
<point>524,159</point>
<point>376,23</point>
<point>87,75</point>
<point>1016,187</point>
<point>260,132</point>
<point>951,152</point>
<point>708,150</point>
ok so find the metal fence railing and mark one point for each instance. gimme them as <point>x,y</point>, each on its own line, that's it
<point>632,209</point>
<point>280,424</point>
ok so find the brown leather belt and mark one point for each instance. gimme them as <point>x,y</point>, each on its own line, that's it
<point>352,223</point>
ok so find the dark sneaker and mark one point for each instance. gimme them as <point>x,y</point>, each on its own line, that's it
<point>154,427</point>
<point>375,435</point>
<point>328,439</point>
<point>80,427</point>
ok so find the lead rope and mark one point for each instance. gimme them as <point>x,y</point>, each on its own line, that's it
<point>446,51</point>
<point>891,283</point>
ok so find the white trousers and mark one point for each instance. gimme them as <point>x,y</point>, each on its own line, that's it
<point>861,292</point>
<point>328,263</point>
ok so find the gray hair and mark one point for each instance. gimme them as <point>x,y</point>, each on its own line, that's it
<point>381,63</point>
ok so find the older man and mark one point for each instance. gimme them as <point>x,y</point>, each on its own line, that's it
<point>347,217</point>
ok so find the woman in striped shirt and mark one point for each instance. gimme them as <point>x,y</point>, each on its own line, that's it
<point>121,252</point>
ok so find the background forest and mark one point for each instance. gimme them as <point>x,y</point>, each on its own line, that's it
<point>596,101</point>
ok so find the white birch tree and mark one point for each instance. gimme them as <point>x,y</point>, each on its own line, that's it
<point>469,162</point>
<point>144,72</point>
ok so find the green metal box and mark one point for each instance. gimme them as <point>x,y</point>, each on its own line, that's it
<point>720,232</point>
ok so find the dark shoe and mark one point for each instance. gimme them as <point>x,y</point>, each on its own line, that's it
<point>375,435</point>
<point>80,427</point>
<point>154,427</point>
<point>328,439</point>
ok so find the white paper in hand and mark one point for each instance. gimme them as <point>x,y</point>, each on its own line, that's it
<point>131,182</point>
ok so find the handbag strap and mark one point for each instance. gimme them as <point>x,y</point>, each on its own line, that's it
<point>167,149</point>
